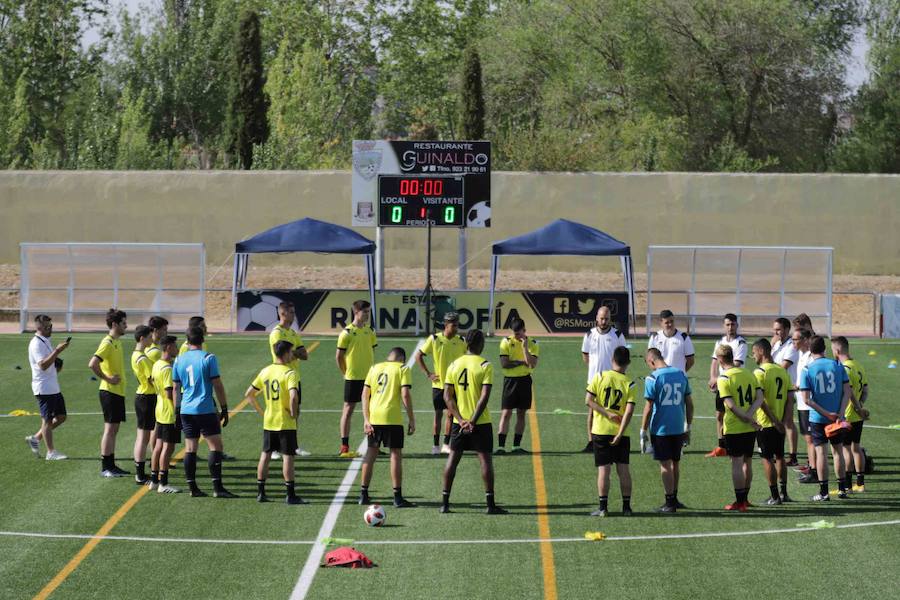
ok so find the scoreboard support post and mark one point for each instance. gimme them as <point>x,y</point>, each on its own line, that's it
<point>379,258</point>
<point>463,266</point>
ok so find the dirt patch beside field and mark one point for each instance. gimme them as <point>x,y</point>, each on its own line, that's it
<point>854,313</point>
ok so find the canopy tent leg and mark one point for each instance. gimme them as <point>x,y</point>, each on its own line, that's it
<point>495,266</point>
<point>370,274</point>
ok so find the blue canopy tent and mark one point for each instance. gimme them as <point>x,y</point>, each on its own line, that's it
<point>564,237</point>
<point>305,235</point>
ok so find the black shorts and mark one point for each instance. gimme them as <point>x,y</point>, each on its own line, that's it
<point>168,433</point>
<point>353,389</point>
<point>854,436</point>
<point>605,454</point>
<point>771,443</point>
<point>516,393</point>
<point>388,436</point>
<point>803,420</point>
<point>196,425</point>
<point>437,399</point>
<point>667,447</point>
<point>720,404</point>
<point>280,441</point>
<point>145,411</point>
<point>740,444</point>
<point>820,438</point>
<point>480,440</point>
<point>113,406</point>
<point>51,405</point>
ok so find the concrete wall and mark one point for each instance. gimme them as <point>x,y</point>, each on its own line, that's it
<point>857,214</point>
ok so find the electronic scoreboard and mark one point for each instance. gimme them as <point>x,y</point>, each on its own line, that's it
<point>414,200</point>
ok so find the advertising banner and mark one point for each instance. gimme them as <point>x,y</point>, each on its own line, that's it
<point>372,158</point>
<point>399,312</point>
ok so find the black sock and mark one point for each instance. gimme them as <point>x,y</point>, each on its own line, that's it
<point>675,495</point>
<point>848,480</point>
<point>154,476</point>
<point>517,440</point>
<point>842,484</point>
<point>501,439</point>
<point>398,493</point>
<point>446,438</point>
<point>670,499</point>
<point>823,487</point>
<point>261,487</point>
<point>214,461</point>
<point>737,494</point>
<point>813,474</point>
<point>364,490</point>
<point>105,462</point>
<point>860,479</point>
<point>445,498</point>
<point>626,502</point>
<point>603,502</point>
<point>345,441</point>
<point>489,496</point>
<point>289,489</point>
<point>163,478</point>
<point>437,439</point>
<point>112,460</point>
<point>773,489</point>
<point>793,456</point>
<point>139,469</point>
<point>722,443</point>
<point>190,469</point>
<point>783,489</point>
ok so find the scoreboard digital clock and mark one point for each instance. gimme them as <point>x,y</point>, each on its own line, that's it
<point>414,200</point>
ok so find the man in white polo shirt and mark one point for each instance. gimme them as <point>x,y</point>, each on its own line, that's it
<point>800,339</point>
<point>596,352</point>
<point>45,364</point>
<point>738,347</point>
<point>675,346</point>
<point>785,354</point>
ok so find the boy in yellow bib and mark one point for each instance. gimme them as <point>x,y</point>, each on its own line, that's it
<point>168,434</point>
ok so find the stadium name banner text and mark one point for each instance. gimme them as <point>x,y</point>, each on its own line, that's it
<point>323,311</point>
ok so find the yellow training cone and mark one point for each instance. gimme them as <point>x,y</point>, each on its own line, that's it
<point>594,536</point>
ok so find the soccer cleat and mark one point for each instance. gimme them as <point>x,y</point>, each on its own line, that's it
<point>499,450</point>
<point>773,502</point>
<point>34,445</point>
<point>495,510</point>
<point>519,450</point>
<point>820,498</point>
<point>223,493</point>
<point>785,499</point>
<point>445,448</point>
<point>120,472</point>
<point>262,498</point>
<point>198,493</point>
<point>56,455</point>
<point>791,462</point>
<point>435,450</point>
<point>859,489</point>
<point>138,480</point>
<point>716,452</point>
<point>276,455</point>
<point>167,489</point>
<point>679,505</point>
<point>114,472</point>
<point>444,509</point>
<point>294,500</point>
<point>364,500</point>
<point>802,468</point>
<point>153,486</point>
<point>736,506</point>
<point>843,495</point>
<point>348,454</point>
<point>228,457</point>
<point>666,509</point>
<point>627,512</point>
<point>808,478</point>
<point>403,503</point>
<point>600,512</point>
<point>108,474</point>
<point>302,452</point>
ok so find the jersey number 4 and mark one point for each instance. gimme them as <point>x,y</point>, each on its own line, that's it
<point>463,380</point>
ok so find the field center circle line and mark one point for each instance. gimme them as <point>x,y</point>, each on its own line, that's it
<point>612,538</point>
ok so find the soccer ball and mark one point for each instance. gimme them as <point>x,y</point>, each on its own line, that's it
<point>262,316</point>
<point>479,215</point>
<point>375,516</point>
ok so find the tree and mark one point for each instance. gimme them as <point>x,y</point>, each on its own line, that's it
<point>135,150</point>
<point>249,104</point>
<point>472,97</point>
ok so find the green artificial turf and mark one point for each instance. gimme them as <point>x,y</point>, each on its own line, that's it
<point>69,497</point>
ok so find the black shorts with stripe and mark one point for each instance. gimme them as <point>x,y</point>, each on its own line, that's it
<point>284,441</point>
<point>740,444</point>
<point>607,454</point>
<point>771,443</point>
<point>353,389</point>
<point>481,439</point>
<point>854,436</point>
<point>387,436</point>
<point>516,393</point>
<point>437,399</point>
<point>168,433</point>
<point>145,411</point>
<point>113,406</point>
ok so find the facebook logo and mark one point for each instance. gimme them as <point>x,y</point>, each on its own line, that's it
<point>561,305</point>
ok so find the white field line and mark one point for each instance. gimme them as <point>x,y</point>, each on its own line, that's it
<point>612,538</point>
<point>318,550</point>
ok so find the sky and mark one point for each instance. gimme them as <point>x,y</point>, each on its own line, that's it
<point>856,62</point>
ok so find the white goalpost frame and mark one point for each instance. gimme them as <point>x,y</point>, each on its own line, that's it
<point>781,290</point>
<point>70,310</point>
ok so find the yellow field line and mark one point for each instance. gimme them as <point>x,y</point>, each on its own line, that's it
<point>540,493</point>
<point>107,527</point>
